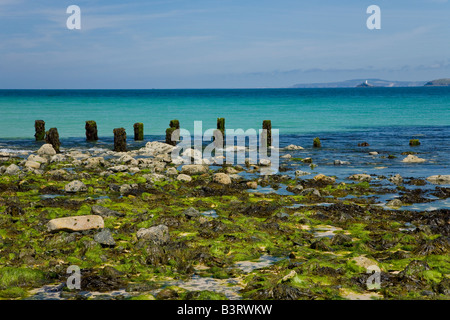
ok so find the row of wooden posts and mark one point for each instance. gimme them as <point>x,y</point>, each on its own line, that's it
<point>120,137</point>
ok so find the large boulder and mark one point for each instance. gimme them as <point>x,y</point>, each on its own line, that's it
<point>75,186</point>
<point>158,235</point>
<point>46,150</point>
<point>222,178</point>
<point>156,147</point>
<point>12,169</point>
<point>184,178</point>
<point>194,169</point>
<point>77,223</point>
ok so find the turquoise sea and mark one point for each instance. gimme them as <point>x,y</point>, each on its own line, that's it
<point>385,118</point>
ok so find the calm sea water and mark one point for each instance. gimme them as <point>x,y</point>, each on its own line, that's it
<point>292,111</point>
<point>386,118</point>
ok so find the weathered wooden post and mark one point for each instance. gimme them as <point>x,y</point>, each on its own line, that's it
<point>120,140</point>
<point>267,125</point>
<point>39,127</point>
<point>138,131</point>
<point>91,130</point>
<point>221,125</point>
<point>52,137</point>
<point>174,124</point>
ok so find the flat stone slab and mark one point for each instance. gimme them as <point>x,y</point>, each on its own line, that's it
<point>76,223</point>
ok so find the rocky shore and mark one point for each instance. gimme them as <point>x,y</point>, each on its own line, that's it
<point>142,225</point>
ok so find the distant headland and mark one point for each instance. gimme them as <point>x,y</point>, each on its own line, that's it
<point>374,83</point>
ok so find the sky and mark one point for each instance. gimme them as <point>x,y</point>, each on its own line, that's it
<point>145,44</point>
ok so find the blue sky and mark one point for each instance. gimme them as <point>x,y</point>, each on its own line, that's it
<point>219,43</point>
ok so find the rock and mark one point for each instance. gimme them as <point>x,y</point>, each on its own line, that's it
<point>36,158</point>
<point>221,178</point>
<point>192,155</point>
<point>252,185</point>
<point>231,170</point>
<point>192,169</point>
<point>125,188</point>
<point>94,162</point>
<point>340,162</point>
<point>264,162</point>
<point>184,178</point>
<point>158,235</point>
<point>75,186</point>
<point>397,179</point>
<point>293,147</point>
<point>363,144</point>
<point>296,189</point>
<point>32,164</point>
<point>360,177</point>
<point>47,150</point>
<point>364,262</point>
<point>373,153</point>
<point>307,160</point>
<point>105,238</point>
<point>156,147</point>
<point>394,203</point>
<point>439,179</point>
<point>12,169</point>
<point>301,173</point>
<point>154,177</point>
<point>310,191</point>
<point>413,159</point>
<point>325,179</point>
<point>171,172</point>
<point>286,156</point>
<point>191,212</point>
<point>105,212</point>
<point>77,223</point>
<point>120,168</point>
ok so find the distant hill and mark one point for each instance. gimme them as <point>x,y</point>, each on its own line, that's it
<point>356,82</point>
<point>438,83</point>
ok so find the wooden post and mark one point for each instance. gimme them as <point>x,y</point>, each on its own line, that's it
<point>120,140</point>
<point>176,136</point>
<point>91,130</point>
<point>317,143</point>
<point>267,125</point>
<point>39,127</point>
<point>138,131</point>
<point>221,125</point>
<point>174,124</point>
<point>52,137</point>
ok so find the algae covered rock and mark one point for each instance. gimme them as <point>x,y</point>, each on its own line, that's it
<point>158,234</point>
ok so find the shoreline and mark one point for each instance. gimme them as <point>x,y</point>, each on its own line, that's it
<point>170,229</point>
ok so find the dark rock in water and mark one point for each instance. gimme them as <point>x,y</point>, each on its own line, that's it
<point>52,137</point>
<point>310,192</point>
<point>414,196</point>
<point>191,212</point>
<point>317,143</point>
<point>91,130</point>
<point>105,212</point>
<point>120,140</point>
<point>105,238</point>
<point>363,144</point>
<point>138,131</point>
<point>414,142</point>
<point>39,126</point>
